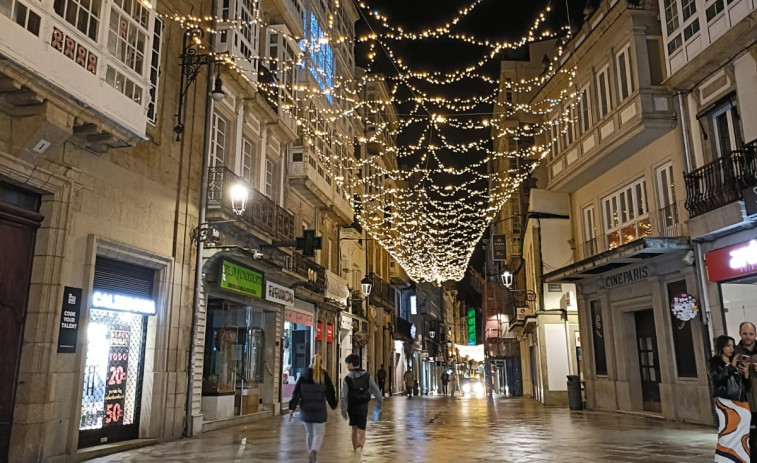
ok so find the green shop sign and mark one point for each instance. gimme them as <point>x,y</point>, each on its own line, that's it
<point>241,280</point>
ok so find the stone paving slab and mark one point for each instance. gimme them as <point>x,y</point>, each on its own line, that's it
<point>459,430</point>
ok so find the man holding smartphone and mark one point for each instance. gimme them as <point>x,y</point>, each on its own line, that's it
<point>744,352</point>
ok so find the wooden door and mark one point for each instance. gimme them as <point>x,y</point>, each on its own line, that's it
<point>646,344</point>
<point>18,227</point>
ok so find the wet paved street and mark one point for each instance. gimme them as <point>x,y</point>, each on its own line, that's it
<point>460,430</point>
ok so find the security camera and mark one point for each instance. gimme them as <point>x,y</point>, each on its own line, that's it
<point>257,254</point>
<point>688,259</point>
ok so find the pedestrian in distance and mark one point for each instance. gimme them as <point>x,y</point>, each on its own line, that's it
<point>409,379</point>
<point>312,391</point>
<point>445,381</point>
<point>381,379</point>
<point>729,374</point>
<point>356,394</point>
<point>747,346</point>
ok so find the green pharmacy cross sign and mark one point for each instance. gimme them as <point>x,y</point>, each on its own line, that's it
<point>308,243</point>
<point>241,280</point>
<point>472,327</point>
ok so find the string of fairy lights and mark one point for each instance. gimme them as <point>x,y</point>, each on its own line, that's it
<point>430,212</point>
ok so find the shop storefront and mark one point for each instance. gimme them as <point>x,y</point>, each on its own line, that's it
<point>298,344</point>
<point>237,344</point>
<point>734,269</point>
<point>121,303</point>
<point>643,342</point>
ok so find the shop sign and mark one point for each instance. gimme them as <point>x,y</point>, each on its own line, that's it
<point>241,280</point>
<point>122,303</point>
<point>472,337</point>
<point>68,330</point>
<point>298,317</point>
<point>279,294</point>
<point>329,333</point>
<point>499,247</point>
<point>521,313</point>
<point>319,332</point>
<point>626,277</point>
<point>115,385</point>
<point>684,307</point>
<point>732,261</point>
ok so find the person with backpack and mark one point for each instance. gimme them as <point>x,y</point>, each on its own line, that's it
<point>312,391</point>
<point>356,393</point>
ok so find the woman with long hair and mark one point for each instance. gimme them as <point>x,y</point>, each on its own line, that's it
<point>730,384</point>
<point>312,391</point>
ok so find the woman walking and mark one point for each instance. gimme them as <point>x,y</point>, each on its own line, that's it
<point>729,375</point>
<point>312,391</point>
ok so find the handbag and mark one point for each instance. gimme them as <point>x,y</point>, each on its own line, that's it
<point>734,388</point>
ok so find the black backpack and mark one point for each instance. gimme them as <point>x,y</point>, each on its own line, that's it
<point>359,392</point>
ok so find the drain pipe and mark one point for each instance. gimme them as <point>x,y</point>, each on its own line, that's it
<point>698,253</point>
<point>191,367</point>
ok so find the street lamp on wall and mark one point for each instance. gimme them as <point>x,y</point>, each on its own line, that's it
<point>239,194</point>
<point>191,63</point>
<point>366,284</point>
<point>431,334</point>
<point>507,279</point>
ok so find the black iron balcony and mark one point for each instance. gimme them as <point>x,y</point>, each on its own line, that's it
<point>721,182</point>
<point>664,222</point>
<point>315,274</point>
<point>382,292</point>
<point>261,212</point>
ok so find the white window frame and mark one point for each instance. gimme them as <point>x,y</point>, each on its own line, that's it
<point>90,29</point>
<point>626,207</point>
<point>270,174</point>
<point>589,224</point>
<point>119,42</point>
<point>625,77</point>
<point>732,137</point>
<point>247,160</point>
<point>666,197</point>
<point>157,45</point>
<point>219,130</point>
<point>603,106</point>
<point>584,108</point>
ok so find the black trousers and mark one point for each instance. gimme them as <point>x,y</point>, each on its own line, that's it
<point>381,384</point>
<point>444,388</point>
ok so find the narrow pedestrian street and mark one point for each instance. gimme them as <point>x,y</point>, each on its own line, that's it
<point>461,430</point>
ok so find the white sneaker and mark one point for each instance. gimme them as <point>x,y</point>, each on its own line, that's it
<point>358,457</point>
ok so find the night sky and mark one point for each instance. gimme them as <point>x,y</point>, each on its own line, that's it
<point>498,20</point>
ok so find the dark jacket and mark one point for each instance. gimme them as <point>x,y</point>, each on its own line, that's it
<point>752,396</point>
<point>719,373</point>
<point>312,397</point>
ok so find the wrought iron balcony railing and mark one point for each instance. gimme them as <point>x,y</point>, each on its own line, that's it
<point>721,182</point>
<point>315,273</point>
<point>261,212</point>
<point>664,222</point>
<point>382,291</point>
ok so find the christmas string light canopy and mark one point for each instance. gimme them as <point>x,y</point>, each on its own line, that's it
<point>430,213</point>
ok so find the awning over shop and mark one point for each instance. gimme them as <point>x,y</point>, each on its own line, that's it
<point>631,253</point>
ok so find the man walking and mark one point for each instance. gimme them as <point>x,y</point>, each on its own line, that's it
<point>445,380</point>
<point>356,393</point>
<point>381,378</point>
<point>409,383</point>
<point>747,346</point>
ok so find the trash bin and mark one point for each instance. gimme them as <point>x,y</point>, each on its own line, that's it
<point>575,401</point>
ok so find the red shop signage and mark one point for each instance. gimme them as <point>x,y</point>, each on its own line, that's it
<point>319,332</point>
<point>329,333</point>
<point>732,261</point>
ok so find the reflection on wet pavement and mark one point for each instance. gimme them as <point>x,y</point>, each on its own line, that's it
<point>459,430</point>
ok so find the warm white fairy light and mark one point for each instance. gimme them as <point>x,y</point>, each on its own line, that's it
<point>428,216</point>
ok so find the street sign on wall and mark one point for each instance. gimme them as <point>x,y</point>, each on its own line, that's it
<point>499,247</point>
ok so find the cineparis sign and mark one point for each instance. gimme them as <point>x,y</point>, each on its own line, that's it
<point>108,301</point>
